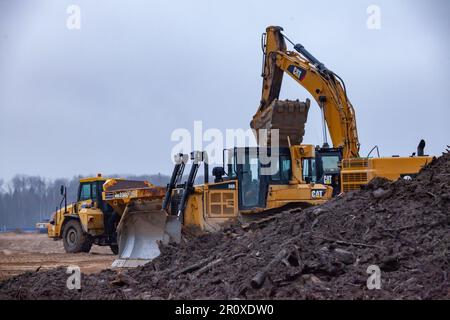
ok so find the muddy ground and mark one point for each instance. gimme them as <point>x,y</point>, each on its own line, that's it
<point>22,252</point>
<point>325,252</point>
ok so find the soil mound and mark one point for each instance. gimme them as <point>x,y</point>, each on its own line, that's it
<point>322,252</point>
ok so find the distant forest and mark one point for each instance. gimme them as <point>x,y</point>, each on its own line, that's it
<point>26,200</point>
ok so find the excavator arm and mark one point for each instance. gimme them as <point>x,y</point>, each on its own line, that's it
<point>325,86</point>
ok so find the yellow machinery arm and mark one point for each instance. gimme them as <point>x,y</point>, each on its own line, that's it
<point>328,89</point>
<point>324,85</point>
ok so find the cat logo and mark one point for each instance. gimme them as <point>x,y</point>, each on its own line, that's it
<point>317,194</point>
<point>297,72</point>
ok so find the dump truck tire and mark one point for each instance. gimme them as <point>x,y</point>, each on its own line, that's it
<point>87,245</point>
<point>114,249</point>
<point>74,238</point>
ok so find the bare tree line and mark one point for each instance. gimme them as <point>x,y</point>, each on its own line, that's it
<point>26,200</point>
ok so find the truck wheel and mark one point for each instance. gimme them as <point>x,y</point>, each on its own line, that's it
<point>74,239</point>
<point>114,248</point>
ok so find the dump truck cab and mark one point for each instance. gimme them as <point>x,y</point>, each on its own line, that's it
<point>93,211</point>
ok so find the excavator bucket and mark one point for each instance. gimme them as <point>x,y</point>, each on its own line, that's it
<point>289,117</point>
<point>141,228</point>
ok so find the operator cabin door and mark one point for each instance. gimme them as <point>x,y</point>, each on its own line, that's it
<point>89,196</point>
<point>85,199</point>
<point>327,169</point>
<point>251,191</point>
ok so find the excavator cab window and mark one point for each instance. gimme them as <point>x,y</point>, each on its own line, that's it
<point>309,170</point>
<point>330,164</point>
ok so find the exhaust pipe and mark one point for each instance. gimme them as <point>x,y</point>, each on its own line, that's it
<point>421,148</point>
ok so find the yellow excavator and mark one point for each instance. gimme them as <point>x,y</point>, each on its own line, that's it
<point>339,166</point>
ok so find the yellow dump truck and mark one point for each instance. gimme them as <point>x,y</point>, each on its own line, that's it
<point>97,215</point>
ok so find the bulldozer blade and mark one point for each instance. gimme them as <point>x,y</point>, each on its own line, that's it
<point>138,237</point>
<point>173,229</point>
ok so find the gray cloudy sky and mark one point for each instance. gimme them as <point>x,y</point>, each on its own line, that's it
<point>106,98</point>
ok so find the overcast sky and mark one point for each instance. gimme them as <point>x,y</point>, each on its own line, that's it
<point>107,97</point>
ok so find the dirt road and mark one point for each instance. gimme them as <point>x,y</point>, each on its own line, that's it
<point>27,252</point>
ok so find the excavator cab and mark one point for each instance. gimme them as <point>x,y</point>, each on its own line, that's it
<point>327,163</point>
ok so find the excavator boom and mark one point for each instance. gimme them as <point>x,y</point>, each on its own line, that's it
<point>324,85</point>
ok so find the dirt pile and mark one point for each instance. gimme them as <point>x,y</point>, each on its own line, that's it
<point>321,252</point>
